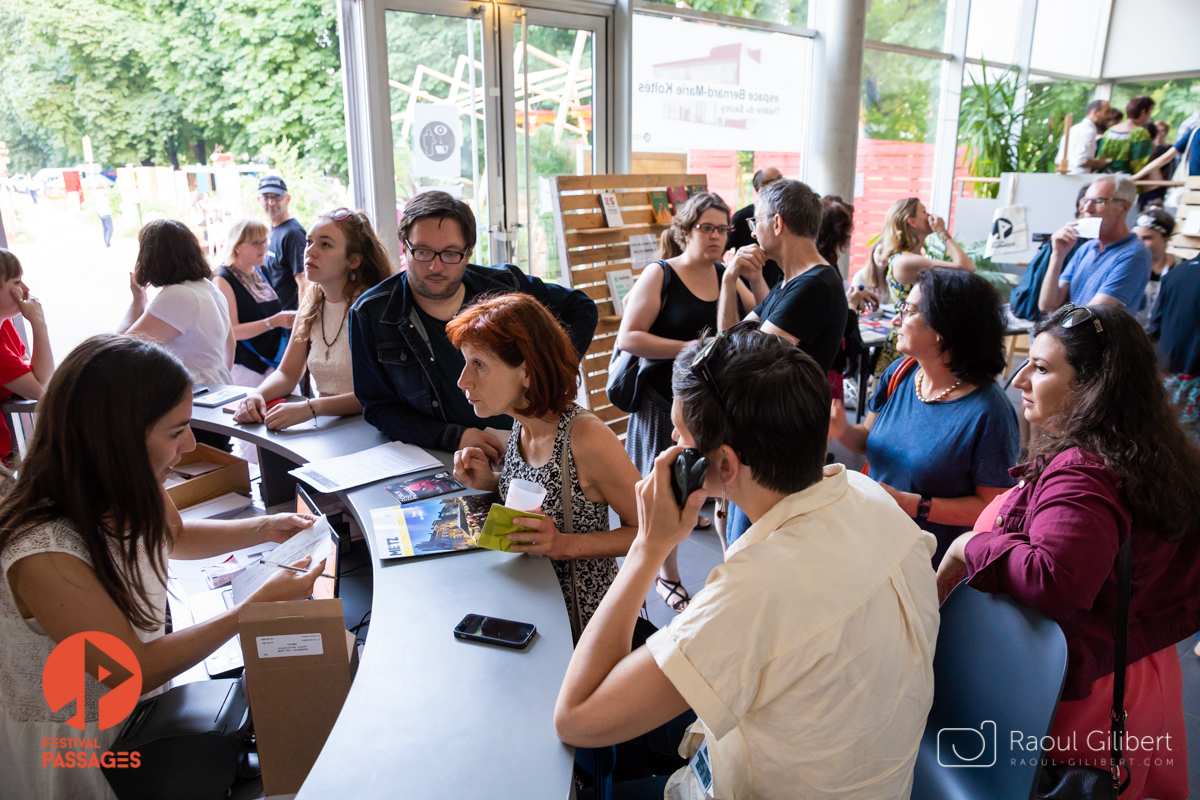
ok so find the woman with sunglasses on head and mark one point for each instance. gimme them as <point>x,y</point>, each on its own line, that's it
<point>672,303</point>
<point>343,258</point>
<point>1111,466</point>
<point>255,311</point>
<point>940,435</point>
<point>520,363</point>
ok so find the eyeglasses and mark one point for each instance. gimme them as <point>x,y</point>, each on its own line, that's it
<point>700,363</point>
<point>1080,315</point>
<point>903,308</point>
<point>753,222</point>
<point>1101,202</point>
<point>425,255</point>
<point>340,214</point>
<point>707,228</point>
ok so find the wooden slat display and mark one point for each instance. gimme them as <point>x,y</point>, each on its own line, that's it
<point>590,249</point>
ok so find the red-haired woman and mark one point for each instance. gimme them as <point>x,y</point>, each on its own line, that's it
<point>520,362</point>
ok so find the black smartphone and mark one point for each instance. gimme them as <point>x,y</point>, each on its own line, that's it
<point>504,632</point>
<point>198,390</point>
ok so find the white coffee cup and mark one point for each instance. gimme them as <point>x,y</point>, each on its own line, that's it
<point>524,495</point>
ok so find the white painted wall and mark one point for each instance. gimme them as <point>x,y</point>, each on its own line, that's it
<point>1152,37</point>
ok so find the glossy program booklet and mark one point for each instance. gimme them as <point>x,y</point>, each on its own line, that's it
<point>443,525</point>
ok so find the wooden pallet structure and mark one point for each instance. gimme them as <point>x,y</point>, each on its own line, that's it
<point>590,249</point>
<point>1182,245</point>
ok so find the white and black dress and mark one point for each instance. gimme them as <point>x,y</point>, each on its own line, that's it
<point>593,576</point>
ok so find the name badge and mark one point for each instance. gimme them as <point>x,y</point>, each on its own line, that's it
<point>701,767</point>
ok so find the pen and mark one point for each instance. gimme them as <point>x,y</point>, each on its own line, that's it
<point>293,569</point>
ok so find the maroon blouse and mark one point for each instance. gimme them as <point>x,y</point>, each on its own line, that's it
<point>1054,547</point>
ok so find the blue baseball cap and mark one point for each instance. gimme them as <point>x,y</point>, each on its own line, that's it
<point>272,184</point>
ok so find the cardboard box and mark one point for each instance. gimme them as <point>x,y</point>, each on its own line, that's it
<point>299,663</point>
<point>233,477</point>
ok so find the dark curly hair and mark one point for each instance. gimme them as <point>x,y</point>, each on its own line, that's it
<point>837,224</point>
<point>966,312</point>
<point>1119,412</point>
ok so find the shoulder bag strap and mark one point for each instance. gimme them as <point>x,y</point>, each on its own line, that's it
<point>1118,713</point>
<point>568,492</point>
<point>905,367</point>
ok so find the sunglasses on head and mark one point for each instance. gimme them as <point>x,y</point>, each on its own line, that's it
<point>700,362</point>
<point>340,214</point>
<point>1081,315</point>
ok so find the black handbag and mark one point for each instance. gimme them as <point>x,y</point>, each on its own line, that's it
<point>626,372</point>
<point>1072,782</point>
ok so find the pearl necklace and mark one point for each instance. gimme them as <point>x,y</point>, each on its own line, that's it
<point>942,396</point>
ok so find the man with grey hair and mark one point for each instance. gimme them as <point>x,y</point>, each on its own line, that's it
<point>808,308</point>
<point>1113,268</point>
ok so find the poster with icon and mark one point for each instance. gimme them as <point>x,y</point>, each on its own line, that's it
<point>437,141</point>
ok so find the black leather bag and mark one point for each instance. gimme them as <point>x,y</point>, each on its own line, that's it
<point>626,372</point>
<point>1074,782</point>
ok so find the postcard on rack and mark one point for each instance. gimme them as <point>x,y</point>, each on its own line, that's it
<point>420,488</point>
<point>432,526</point>
<point>642,249</point>
<point>678,196</point>
<point>662,207</point>
<point>385,461</point>
<point>620,281</point>
<point>612,211</point>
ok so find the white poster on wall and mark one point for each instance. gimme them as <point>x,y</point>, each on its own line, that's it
<point>437,140</point>
<point>716,88</point>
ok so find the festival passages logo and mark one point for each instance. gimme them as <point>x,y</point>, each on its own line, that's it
<point>78,659</point>
<point>104,658</point>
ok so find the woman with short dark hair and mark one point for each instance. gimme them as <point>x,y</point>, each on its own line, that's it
<point>188,316</point>
<point>85,534</point>
<point>520,362</point>
<point>1111,467</point>
<point>1127,145</point>
<point>940,435</point>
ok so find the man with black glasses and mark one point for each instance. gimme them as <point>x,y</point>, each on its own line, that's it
<point>405,369</point>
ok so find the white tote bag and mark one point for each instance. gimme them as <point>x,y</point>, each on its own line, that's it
<point>1009,232</point>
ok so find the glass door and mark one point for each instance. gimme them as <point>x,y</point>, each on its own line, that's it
<point>555,125</point>
<point>436,69</point>
<point>490,101</point>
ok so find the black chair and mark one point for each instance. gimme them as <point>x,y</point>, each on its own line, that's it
<point>999,668</point>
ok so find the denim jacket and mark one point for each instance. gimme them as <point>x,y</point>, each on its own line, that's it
<point>390,352</point>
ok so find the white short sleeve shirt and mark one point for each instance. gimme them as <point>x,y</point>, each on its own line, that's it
<point>198,310</point>
<point>808,655</point>
<point>1083,139</point>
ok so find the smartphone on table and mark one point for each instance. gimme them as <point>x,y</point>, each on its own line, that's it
<point>493,630</point>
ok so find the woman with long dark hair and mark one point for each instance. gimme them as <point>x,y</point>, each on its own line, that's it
<point>85,534</point>
<point>1112,465</point>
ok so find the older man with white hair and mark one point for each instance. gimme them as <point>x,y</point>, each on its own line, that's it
<point>1113,268</point>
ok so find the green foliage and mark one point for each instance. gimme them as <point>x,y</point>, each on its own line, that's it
<point>158,81</point>
<point>899,96</point>
<point>1174,100</point>
<point>783,12</point>
<point>999,138</point>
<point>913,23</point>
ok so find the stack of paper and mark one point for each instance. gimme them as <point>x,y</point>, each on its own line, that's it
<point>376,464</point>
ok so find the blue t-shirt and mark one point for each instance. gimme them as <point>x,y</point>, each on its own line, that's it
<point>1194,155</point>
<point>1121,271</point>
<point>941,449</point>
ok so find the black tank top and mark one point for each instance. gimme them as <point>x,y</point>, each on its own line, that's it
<point>684,317</point>
<point>259,352</point>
